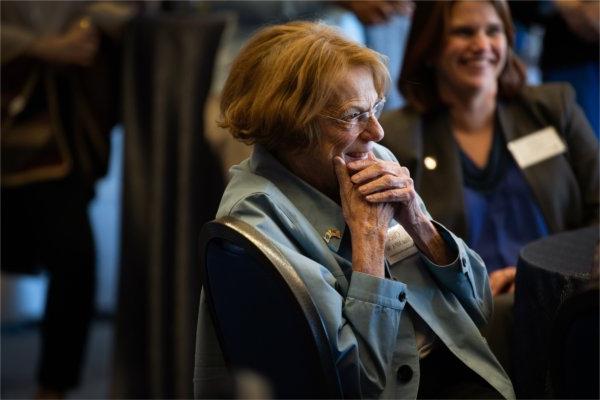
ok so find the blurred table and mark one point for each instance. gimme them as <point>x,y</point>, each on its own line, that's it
<point>549,271</point>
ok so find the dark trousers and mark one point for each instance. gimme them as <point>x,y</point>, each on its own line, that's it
<point>444,376</point>
<point>46,225</point>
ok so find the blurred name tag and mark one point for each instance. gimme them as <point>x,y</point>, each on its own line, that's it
<point>536,147</point>
<point>399,245</point>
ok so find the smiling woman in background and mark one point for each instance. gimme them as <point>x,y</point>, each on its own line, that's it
<point>330,198</point>
<point>498,162</point>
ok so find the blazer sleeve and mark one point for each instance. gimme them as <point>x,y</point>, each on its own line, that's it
<point>362,325</point>
<point>466,277</point>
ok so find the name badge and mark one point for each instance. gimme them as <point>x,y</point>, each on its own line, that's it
<point>536,147</point>
<point>399,245</point>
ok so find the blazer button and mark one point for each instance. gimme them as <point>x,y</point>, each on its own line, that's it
<point>404,374</point>
<point>402,296</point>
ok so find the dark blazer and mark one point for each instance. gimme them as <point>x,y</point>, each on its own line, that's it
<point>565,186</point>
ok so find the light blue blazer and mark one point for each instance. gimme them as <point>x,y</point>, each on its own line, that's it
<point>367,318</point>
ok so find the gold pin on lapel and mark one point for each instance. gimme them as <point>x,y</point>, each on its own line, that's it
<point>430,163</point>
<point>332,233</point>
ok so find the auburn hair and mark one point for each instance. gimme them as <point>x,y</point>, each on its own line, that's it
<point>285,76</point>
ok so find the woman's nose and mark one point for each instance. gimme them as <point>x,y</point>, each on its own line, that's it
<point>480,41</point>
<point>373,131</point>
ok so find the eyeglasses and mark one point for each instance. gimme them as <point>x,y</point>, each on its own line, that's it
<point>358,121</point>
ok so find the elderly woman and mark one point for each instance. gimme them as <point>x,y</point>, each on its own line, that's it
<point>401,297</point>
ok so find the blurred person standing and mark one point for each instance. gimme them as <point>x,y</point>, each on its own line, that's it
<point>386,24</point>
<point>570,49</point>
<point>59,104</point>
<point>498,162</point>
<point>570,52</point>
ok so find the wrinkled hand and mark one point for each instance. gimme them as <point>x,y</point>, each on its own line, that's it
<point>377,11</point>
<point>368,224</point>
<point>388,182</point>
<point>503,280</point>
<point>78,45</point>
<point>358,212</point>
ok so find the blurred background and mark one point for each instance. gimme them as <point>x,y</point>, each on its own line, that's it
<point>164,161</point>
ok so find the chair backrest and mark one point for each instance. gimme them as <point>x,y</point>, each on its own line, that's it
<point>264,317</point>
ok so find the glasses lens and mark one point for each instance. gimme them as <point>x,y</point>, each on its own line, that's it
<point>363,119</point>
<point>360,121</point>
<point>378,108</point>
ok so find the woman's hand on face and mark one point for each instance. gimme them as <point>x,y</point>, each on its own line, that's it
<point>368,223</point>
<point>382,181</point>
<point>358,212</point>
<point>387,182</point>
<point>503,280</point>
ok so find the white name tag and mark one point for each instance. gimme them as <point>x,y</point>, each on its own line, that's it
<point>399,245</point>
<point>536,147</point>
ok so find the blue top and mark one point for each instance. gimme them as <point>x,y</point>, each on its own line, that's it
<point>502,213</point>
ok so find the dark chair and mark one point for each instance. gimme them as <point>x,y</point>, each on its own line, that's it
<point>574,354</point>
<point>264,317</point>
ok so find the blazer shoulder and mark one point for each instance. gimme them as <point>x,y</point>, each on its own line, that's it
<point>402,132</point>
<point>550,97</point>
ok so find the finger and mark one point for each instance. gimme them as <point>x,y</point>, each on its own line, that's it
<point>403,7</point>
<point>342,173</point>
<point>511,271</point>
<point>495,281</point>
<point>495,288</point>
<point>378,169</point>
<point>390,196</point>
<point>362,164</point>
<point>385,182</point>
<point>505,279</point>
<point>357,166</point>
<point>386,10</point>
<point>511,289</point>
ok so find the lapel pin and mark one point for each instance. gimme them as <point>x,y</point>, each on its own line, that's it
<point>332,233</point>
<point>430,163</point>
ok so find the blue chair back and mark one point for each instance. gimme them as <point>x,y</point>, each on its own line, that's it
<point>264,317</point>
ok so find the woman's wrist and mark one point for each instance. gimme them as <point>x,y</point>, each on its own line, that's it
<point>429,241</point>
<point>368,251</point>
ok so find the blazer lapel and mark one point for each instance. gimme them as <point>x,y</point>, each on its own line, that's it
<point>443,194</point>
<point>516,121</point>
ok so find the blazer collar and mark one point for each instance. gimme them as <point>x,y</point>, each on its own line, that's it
<point>322,213</point>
